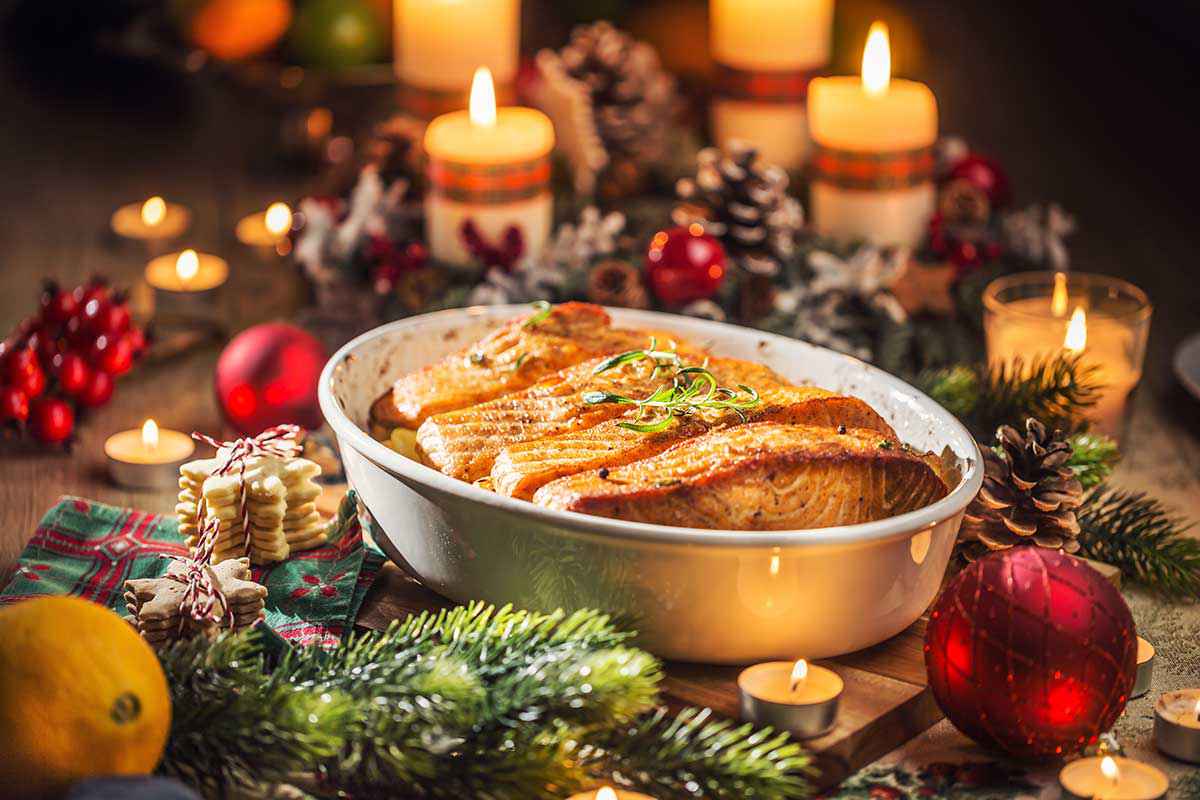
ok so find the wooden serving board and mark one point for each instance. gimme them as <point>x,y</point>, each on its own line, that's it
<point>886,703</point>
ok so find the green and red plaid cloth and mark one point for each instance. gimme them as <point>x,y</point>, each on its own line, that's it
<point>90,549</point>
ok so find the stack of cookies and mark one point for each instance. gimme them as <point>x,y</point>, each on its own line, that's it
<point>155,604</point>
<point>280,495</point>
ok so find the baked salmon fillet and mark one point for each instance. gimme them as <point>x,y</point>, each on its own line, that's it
<point>521,469</point>
<point>464,443</point>
<point>760,476</point>
<point>509,359</point>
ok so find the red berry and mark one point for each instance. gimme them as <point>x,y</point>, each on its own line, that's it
<point>57,305</point>
<point>97,391</point>
<point>110,319</point>
<point>51,420</point>
<point>112,354</point>
<point>94,289</point>
<point>14,404</point>
<point>137,338</point>
<point>684,264</point>
<point>73,372</point>
<point>21,363</point>
<point>32,382</point>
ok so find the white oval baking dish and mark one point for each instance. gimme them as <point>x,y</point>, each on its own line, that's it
<point>696,595</point>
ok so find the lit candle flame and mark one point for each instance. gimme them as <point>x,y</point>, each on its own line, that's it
<point>799,674</point>
<point>1058,301</point>
<point>150,434</point>
<point>187,265</point>
<point>606,793</point>
<point>278,219</point>
<point>1110,769</point>
<point>1076,338</point>
<point>483,99</point>
<point>154,211</point>
<point>877,60</point>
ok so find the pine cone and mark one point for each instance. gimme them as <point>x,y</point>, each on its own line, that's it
<point>743,203</point>
<point>1029,494</point>
<point>613,282</point>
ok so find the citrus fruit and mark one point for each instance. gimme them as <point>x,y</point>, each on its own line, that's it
<point>235,29</point>
<point>80,695</point>
<point>337,33</point>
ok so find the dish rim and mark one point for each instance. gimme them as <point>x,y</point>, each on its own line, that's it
<point>860,533</point>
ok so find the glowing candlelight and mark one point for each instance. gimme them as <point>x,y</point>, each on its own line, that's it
<point>1076,339</point>
<point>482,107</point>
<point>609,793</point>
<point>153,220</point>
<point>606,793</point>
<point>799,674</point>
<point>1110,770</point>
<point>187,265</point>
<point>267,230</point>
<point>279,218</point>
<point>147,457</point>
<point>186,273</point>
<point>1109,778</point>
<point>154,211</point>
<point>877,61</point>
<point>1058,301</point>
<point>798,697</point>
<point>150,435</point>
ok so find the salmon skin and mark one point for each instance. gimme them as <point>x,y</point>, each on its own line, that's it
<point>760,476</point>
<point>464,443</point>
<point>522,468</point>
<point>509,359</point>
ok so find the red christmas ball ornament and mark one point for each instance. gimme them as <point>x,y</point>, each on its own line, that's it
<point>684,264</point>
<point>984,174</point>
<point>51,420</point>
<point>1031,651</point>
<point>267,375</point>
<point>14,404</point>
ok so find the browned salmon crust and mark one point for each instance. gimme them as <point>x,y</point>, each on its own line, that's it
<point>507,360</point>
<point>464,443</point>
<point>522,468</point>
<point>761,476</point>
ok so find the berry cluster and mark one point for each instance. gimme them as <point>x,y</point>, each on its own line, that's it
<point>68,356</point>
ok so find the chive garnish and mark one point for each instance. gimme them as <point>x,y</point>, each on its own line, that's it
<point>541,310</point>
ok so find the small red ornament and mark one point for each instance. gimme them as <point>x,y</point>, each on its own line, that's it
<point>684,264</point>
<point>14,404</point>
<point>267,376</point>
<point>1031,651</point>
<point>51,420</point>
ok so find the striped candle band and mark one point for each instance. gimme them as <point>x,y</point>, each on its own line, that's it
<point>765,86</point>
<point>489,184</point>
<point>429,103</point>
<point>848,169</point>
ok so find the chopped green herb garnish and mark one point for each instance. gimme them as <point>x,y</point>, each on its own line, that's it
<point>520,361</point>
<point>689,390</point>
<point>663,359</point>
<point>541,310</point>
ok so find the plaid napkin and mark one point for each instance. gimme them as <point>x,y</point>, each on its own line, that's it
<point>90,549</point>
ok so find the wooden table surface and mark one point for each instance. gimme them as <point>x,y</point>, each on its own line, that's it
<point>81,137</point>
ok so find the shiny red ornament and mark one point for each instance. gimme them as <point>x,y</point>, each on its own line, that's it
<point>267,375</point>
<point>984,174</point>
<point>684,264</point>
<point>1031,651</point>
<point>14,404</point>
<point>51,420</point>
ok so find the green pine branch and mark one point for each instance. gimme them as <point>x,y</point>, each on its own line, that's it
<point>468,702</point>
<point>1093,457</point>
<point>1055,390</point>
<point>1137,534</point>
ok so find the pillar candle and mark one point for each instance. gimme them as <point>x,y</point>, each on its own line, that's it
<point>489,169</point>
<point>872,161</point>
<point>440,43</point>
<point>766,52</point>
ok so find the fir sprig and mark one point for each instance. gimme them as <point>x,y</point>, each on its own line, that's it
<point>1137,534</point>
<point>468,702</point>
<point>1055,389</point>
<point>1093,457</point>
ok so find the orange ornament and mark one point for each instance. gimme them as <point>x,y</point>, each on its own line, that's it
<point>237,29</point>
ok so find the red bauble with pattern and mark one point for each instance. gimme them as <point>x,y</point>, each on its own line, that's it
<point>684,264</point>
<point>267,375</point>
<point>1031,651</point>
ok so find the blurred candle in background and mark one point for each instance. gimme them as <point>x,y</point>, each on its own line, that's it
<point>766,52</point>
<point>153,221</point>
<point>489,171</point>
<point>440,43</point>
<point>872,160</point>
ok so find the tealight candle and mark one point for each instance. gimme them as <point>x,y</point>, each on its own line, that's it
<point>489,173</point>
<point>799,697</point>
<point>1145,668</point>
<point>186,283</point>
<point>1177,724</point>
<point>1112,778</point>
<point>147,458</point>
<point>440,43</point>
<point>267,230</point>
<point>1104,320</point>
<point>609,793</point>
<point>872,159</point>
<point>152,221</point>
<point>766,53</point>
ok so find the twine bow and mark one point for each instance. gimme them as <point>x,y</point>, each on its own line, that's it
<point>202,594</point>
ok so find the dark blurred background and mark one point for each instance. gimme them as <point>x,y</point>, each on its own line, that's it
<point>1095,111</point>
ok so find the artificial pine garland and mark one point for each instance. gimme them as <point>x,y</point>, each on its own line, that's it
<point>469,702</point>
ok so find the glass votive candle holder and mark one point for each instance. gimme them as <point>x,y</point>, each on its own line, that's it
<point>1103,320</point>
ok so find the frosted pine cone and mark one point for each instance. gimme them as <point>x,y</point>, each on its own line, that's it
<point>1029,494</point>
